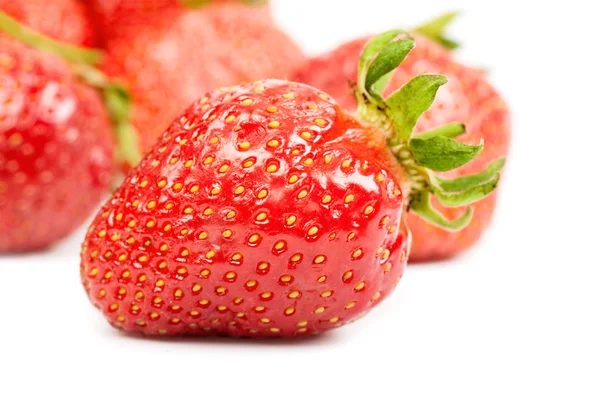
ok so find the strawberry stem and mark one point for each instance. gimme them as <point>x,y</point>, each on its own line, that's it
<point>37,40</point>
<point>424,153</point>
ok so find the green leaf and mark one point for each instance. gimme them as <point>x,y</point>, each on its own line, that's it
<point>421,205</point>
<point>374,47</point>
<point>37,40</point>
<point>435,29</point>
<point>408,103</point>
<point>468,196</point>
<point>386,61</point>
<point>442,154</point>
<point>451,130</point>
<point>465,183</point>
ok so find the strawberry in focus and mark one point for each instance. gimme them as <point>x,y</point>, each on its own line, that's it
<point>468,98</point>
<point>168,58</point>
<point>267,210</point>
<point>63,20</point>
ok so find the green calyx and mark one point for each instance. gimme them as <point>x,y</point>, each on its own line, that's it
<point>435,30</point>
<point>84,60</point>
<point>421,154</point>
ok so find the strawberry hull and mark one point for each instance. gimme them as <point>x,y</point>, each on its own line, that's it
<point>265,210</point>
<point>467,98</point>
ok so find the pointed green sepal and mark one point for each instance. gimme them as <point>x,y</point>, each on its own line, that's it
<point>465,183</point>
<point>435,30</point>
<point>386,61</point>
<point>421,205</point>
<point>468,196</point>
<point>451,130</point>
<point>408,103</point>
<point>442,154</point>
<point>42,42</point>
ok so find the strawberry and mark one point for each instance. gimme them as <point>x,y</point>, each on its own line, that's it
<point>56,137</point>
<point>468,99</point>
<point>267,210</point>
<point>63,20</point>
<point>168,59</point>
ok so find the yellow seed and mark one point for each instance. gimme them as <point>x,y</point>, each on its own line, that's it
<point>208,160</point>
<point>309,161</point>
<point>227,233</point>
<point>350,305</point>
<point>163,264</point>
<point>291,220</point>
<point>151,204</point>
<point>261,216</point>
<point>326,294</point>
<point>205,272</point>
<point>230,119</point>
<point>320,122</point>
<point>263,265</point>
<point>347,275</point>
<point>188,210</point>
<point>244,146</point>
<point>274,329</point>
<point>143,259</point>
<point>239,190</point>
<point>211,254</point>
<point>319,259</point>
<point>368,210</point>
<point>196,287</point>
<point>288,96</point>
<point>102,233</point>
<point>313,230</point>
<point>286,278</point>
<point>272,168</point>
<point>334,319</point>
<point>322,279</point>
<point>302,323</point>
<point>319,310</point>
<point>265,320</point>
<point>279,245</point>
<point>208,211</point>
<point>274,124</point>
<point>294,294</point>
<point>272,109</point>
<point>357,253</point>
<point>194,189</point>
<point>296,257</point>
<point>248,163</point>
<point>177,187</point>
<point>293,179</point>
<point>289,311</point>
<point>380,177</point>
<point>359,286</point>
<point>214,140</point>
<point>303,193</point>
<point>349,198</point>
<point>251,283</point>
<point>164,247</point>
<point>189,163</point>
<point>160,283</point>
<point>351,236</point>
<point>247,102</point>
<point>260,88</point>
<point>174,160</point>
<point>346,163</point>
<point>236,257</point>
<point>262,194</point>
<point>254,238</point>
<point>215,191</point>
<point>326,199</point>
<point>231,214</point>
<point>306,135</point>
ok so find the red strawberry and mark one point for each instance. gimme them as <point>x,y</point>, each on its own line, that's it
<point>267,210</point>
<point>167,59</point>
<point>468,98</point>
<point>64,20</point>
<point>56,137</point>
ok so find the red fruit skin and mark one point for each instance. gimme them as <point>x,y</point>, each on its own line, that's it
<point>466,98</point>
<point>198,222</point>
<point>64,20</point>
<point>56,149</point>
<point>169,59</point>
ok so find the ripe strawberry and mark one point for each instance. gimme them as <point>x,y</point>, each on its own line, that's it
<point>468,99</point>
<point>56,138</point>
<point>267,210</point>
<point>167,59</point>
<point>63,20</point>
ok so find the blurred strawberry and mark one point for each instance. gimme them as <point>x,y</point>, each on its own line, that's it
<point>64,20</point>
<point>468,98</point>
<point>168,59</point>
<point>56,136</point>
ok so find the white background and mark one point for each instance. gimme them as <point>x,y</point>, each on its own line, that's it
<point>512,324</point>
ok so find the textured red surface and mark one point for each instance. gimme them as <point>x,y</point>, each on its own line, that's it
<point>55,149</point>
<point>467,98</point>
<point>171,58</point>
<point>64,20</point>
<point>264,210</point>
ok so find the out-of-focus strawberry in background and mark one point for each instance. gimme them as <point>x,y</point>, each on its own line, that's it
<point>87,87</point>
